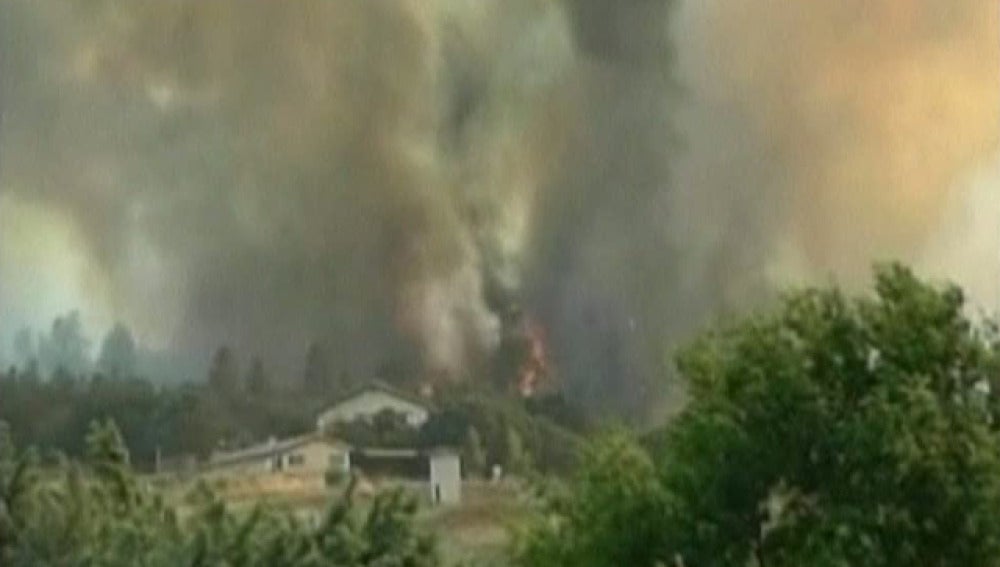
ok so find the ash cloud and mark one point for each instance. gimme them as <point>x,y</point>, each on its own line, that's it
<point>396,178</point>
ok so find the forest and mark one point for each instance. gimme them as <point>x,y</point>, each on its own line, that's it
<point>832,429</point>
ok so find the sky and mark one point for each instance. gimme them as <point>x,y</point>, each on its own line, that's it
<point>402,180</point>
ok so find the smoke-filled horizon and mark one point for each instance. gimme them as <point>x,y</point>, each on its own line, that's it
<point>395,178</point>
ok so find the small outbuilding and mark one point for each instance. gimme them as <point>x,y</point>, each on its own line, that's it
<point>445,477</point>
<point>439,470</point>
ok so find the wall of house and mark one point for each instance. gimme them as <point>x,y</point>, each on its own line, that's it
<point>370,404</point>
<point>314,457</point>
<point>249,466</point>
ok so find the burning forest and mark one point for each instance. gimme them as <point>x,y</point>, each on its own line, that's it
<point>521,283</point>
<point>556,191</point>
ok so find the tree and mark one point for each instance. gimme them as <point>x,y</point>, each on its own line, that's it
<point>17,479</point>
<point>473,453</point>
<point>66,346</point>
<point>105,445</point>
<point>117,358</point>
<point>518,459</point>
<point>25,348</point>
<point>615,512</point>
<point>833,431</point>
<point>258,384</point>
<point>224,374</point>
<point>316,377</point>
<point>108,457</point>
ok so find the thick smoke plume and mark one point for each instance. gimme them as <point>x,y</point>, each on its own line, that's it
<point>402,179</point>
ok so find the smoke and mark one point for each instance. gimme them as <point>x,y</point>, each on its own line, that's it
<point>261,174</point>
<point>846,127</point>
<point>397,178</point>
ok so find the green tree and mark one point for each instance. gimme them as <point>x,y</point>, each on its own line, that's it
<point>17,478</point>
<point>117,358</point>
<point>316,379</point>
<point>473,453</point>
<point>105,445</point>
<point>108,458</point>
<point>224,374</point>
<point>614,512</point>
<point>518,459</point>
<point>258,384</point>
<point>25,351</point>
<point>833,431</point>
<point>65,349</point>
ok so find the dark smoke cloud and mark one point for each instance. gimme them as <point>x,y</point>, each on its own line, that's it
<point>602,272</point>
<point>346,170</point>
<point>396,178</point>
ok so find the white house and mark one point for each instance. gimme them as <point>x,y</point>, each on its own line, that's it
<point>370,400</point>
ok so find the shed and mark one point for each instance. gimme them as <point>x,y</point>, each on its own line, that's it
<point>445,477</point>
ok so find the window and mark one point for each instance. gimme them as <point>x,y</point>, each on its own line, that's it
<point>296,460</point>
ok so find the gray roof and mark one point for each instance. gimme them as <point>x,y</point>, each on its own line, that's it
<point>269,449</point>
<point>379,386</point>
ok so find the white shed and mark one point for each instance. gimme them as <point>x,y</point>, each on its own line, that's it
<point>445,477</point>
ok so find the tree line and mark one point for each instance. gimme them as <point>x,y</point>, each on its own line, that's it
<point>232,409</point>
<point>227,409</point>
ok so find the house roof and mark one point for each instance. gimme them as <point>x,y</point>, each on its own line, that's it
<point>378,386</point>
<point>269,449</point>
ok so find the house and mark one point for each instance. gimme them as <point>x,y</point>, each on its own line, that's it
<point>308,454</point>
<point>370,400</point>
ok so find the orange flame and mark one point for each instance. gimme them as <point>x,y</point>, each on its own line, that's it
<point>536,366</point>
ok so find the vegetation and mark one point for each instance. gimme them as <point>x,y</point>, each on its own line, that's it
<point>509,433</point>
<point>189,419</point>
<point>97,513</point>
<point>831,431</point>
<point>194,419</point>
<point>834,431</point>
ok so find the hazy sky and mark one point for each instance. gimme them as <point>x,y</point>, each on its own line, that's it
<point>393,177</point>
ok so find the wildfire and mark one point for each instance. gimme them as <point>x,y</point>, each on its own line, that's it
<point>536,365</point>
